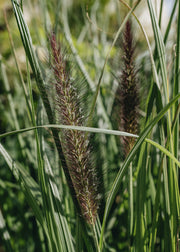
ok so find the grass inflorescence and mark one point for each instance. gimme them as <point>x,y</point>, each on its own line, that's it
<point>127,97</point>
<point>44,190</point>
<point>76,147</point>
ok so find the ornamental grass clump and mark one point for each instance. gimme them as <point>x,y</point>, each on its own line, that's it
<point>127,92</point>
<point>75,144</point>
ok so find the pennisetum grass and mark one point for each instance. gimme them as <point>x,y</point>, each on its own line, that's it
<point>76,147</point>
<point>127,97</point>
<point>50,199</point>
<point>126,106</point>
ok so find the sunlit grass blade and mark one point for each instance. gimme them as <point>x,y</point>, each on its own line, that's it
<point>94,130</point>
<point>70,127</point>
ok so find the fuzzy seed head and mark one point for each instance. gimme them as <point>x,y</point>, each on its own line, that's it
<point>127,93</point>
<point>75,143</point>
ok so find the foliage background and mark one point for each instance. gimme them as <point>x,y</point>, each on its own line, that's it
<point>92,36</point>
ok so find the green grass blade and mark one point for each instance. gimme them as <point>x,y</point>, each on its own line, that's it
<point>105,62</point>
<point>140,199</point>
<point>17,66</point>
<point>170,199</point>
<point>160,13</point>
<point>5,234</point>
<point>164,150</point>
<point>155,75</point>
<point>177,85</point>
<point>79,245</point>
<point>70,127</point>
<point>57,223</point>
<point>129,158</point>
<point>94,130</point>
<point>170,21</point>
<point>56,205</point>
<point>29,186</point>
<point>79,61</point>
<point>160,48</point>
<point>11,104</point>
<point>131,205</point>
<point>28,46</point>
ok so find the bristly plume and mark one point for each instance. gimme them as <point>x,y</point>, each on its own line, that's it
<point>75,144</point>
<point>127,92</point>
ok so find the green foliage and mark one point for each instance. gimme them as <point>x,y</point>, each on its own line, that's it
<point>139,203</point>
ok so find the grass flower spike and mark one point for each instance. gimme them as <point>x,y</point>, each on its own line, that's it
<point>127,93</point>
<point>71,179</point>
<point>75,143</point>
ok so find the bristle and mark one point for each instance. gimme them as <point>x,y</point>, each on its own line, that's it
<point>127,92</point>
<point>75,143</point>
